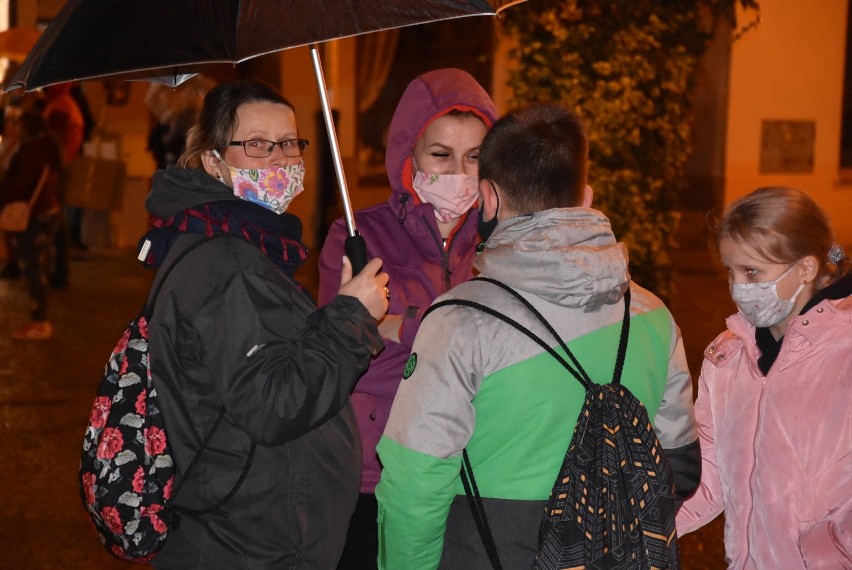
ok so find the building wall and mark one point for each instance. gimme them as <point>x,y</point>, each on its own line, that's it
<point>705,167</point>
<point>790,68</point>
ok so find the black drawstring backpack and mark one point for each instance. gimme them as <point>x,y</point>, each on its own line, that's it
<point>128,479</point>
<point>613,504</point>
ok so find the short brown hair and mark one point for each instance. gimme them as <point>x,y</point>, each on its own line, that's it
<point>539,156</point>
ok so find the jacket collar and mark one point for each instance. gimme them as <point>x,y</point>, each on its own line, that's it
<point>568,256</point>
<point>827,322</point>
<point>419,220</point>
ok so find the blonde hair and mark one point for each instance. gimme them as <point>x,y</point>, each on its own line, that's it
<point>783,225</point>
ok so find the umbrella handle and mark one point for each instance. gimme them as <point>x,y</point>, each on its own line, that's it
<point>356,250</point>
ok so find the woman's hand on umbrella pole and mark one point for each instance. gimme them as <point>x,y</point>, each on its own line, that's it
<point>369,286</point>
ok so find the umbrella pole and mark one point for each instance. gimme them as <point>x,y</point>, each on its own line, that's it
<point>355,246</point>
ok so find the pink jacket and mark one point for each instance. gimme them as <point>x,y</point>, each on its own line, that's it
<point>777,449</point>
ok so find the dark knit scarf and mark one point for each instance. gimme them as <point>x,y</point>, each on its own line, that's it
<point>277,236</point>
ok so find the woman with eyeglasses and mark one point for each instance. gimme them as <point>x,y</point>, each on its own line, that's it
<point>426,233</point>
<point>231,329</point>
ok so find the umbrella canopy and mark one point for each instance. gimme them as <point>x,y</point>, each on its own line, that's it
<point>170,40</point>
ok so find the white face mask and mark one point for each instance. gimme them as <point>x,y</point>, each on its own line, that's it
<point>273,188</point>
<point>760,304</point>
<point>450,194</point>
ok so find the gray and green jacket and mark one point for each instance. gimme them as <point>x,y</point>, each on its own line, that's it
<point>475,382</point>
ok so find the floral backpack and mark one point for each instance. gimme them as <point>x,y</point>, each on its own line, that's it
<point>127,475</point>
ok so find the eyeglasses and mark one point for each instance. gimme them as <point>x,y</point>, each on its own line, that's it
<point>259,148</point>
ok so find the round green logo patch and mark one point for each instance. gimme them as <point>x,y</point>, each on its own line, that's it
<point>409,366</point>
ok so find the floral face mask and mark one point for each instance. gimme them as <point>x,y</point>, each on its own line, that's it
<point>760,304</point>
<point>450,194</point>
<point>273,188</point>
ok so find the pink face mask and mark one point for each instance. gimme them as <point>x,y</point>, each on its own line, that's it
<point>450,194</point>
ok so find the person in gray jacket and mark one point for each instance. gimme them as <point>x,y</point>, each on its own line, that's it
<point>475,383</point>
<point>231,328</point>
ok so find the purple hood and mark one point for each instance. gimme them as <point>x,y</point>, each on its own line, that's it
<point>404,233</point>
<point>426,98</point>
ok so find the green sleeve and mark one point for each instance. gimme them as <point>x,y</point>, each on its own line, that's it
<point>414,496</point>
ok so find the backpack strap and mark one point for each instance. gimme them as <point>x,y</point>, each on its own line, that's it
<point>191,466</point>
<point>468,481</point>
<point>149,306</point>
<point>622,341</point>
<point>148,311</point>
<point>478,510</point>
<point>39,186</point>
<point>579,373</point>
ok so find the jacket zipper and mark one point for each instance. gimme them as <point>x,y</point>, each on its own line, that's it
<point>760,413</point>
<point>445,255</point>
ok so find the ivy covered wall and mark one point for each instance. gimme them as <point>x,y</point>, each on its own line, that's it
<point>627,67</point>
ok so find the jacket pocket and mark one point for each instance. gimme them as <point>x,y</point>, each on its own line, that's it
<point>821,546</point>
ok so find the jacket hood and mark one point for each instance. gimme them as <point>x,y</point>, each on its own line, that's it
<point>568,256</point>
<point>175,189</point>
<point>426,98</point>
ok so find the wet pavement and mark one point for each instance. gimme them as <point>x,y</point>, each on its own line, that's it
<point>47,388</point>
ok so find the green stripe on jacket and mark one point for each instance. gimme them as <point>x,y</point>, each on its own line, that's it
<point>419,491</point>
<point>519,439</point>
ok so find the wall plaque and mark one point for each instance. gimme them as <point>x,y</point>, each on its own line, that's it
<point>787,147</point>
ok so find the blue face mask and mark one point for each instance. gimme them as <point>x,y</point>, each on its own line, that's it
<point>486,228</point>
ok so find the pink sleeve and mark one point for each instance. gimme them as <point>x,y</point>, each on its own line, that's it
<point>706,504</point>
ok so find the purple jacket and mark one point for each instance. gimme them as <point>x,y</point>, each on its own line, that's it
<point>403,232</point>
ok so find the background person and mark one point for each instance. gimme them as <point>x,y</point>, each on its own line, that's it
<point>775,391</point>
<point>231,328</point>
<point>36,152</point>
<point>173,112</point>
<point>14,105</point>
<point>426,235</point>
<point>474,382</point>
<point>67,125</point>
<point>9,144</point>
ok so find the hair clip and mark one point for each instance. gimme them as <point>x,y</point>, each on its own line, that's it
<point>836,254</point>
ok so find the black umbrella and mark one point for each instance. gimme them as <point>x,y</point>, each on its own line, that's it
<point>170,40</point>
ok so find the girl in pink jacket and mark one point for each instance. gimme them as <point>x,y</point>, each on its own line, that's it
<point>774,405</point>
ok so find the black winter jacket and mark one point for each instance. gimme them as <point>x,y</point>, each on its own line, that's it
<point>230,329</point>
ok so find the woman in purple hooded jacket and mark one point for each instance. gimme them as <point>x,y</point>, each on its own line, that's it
<point>426,234</point>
